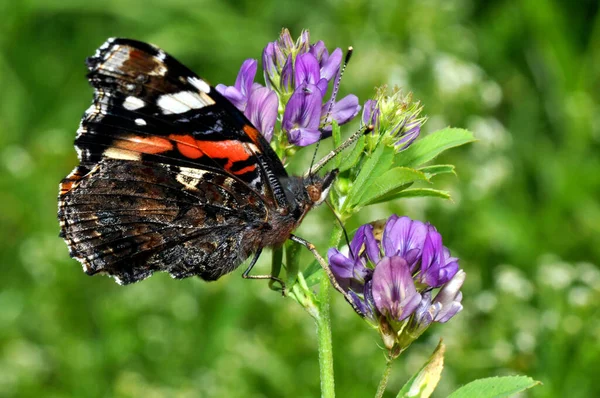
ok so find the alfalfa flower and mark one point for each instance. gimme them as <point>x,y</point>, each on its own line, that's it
<point>392,278</point>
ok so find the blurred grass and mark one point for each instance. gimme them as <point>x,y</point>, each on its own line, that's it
<point>524,76</point>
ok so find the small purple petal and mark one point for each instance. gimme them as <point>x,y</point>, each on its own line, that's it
<point>359,239</point>
<point>371,245</point>
<point>303,42</point>
<point>450,298</point>
<point>245,77</point>
<point>323,84</point>
<point>262,110</point>
<point>394,291</point>
<point>285,41</point>
<point>341,266</point>
<point>233,95</point>
<point>331,66</point>
<point>349,272</point>
<point>306,70</point>
<point>437,267</point>
<point>302,115</point>
<point>287,74</point>
<point>408,137</point>
<point>425,312</point>
<point>404,237</point>
<point>319,51</point>
<point>364,310</point>
<point>368,298</point>
<point>303,137</point>
<point>268,59</point>
<point>370,114</point>
<point>345,109</point>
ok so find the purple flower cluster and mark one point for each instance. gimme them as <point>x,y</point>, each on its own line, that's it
<point>396,294</point>
<point>297,76</point>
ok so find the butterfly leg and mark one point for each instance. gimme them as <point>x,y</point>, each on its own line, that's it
<point>246,274</point>
<point>327,270</point>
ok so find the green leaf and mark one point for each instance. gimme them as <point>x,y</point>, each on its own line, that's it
<point>495,387</point>
<point>312,274</point>
<point>430,146</point>
<point>350,160</point>
<point>402,192</point>
<point>437,169</point>
<point>377,163</point>
<point>424,382</point>
<point>389,182</point>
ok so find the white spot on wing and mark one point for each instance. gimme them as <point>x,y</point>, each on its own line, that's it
<point>140,122</point>
<point>118,153</point>
<point>191,172</point>
<point>180,102</point>
<point>190,177</point>
<point>199,84</point>
<point>132,103</point>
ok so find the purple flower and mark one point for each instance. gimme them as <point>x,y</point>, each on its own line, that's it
<point>297,76</point>
<point>391,278</point>
<point>302,115</point>
<point>393,290</point>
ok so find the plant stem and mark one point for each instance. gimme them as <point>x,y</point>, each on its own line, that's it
<point>384,378</point>
<point>324,327</point>
<point>325,340</point>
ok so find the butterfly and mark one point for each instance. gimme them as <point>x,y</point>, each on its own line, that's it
<point>172,177</point>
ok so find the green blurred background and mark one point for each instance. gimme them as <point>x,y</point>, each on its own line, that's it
<point>524,76</point>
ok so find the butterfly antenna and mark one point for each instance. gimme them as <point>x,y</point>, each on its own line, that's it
<point>349,141</point>
<point>336,88</point>
<point>339,220</point>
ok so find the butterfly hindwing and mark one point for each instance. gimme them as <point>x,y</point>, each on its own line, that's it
<point>125,218</point>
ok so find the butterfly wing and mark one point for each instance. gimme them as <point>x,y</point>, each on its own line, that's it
<point>172,177</point>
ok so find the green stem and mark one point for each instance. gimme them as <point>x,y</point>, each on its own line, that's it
<point>324,328</point>
<point>384,378</point>
<point>325,340</point>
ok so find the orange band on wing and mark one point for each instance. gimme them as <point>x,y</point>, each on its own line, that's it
<point>187,146</point>
<point>245,170</point>
<point>232,150</point>
<point>252,133</point>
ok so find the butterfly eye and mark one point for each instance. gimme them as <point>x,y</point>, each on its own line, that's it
<point>314,193</point>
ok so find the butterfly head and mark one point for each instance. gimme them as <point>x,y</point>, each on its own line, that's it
<point>317,188</point>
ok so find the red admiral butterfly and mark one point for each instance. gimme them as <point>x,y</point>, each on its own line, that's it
<point>172,177</point>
